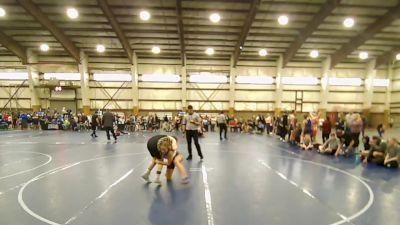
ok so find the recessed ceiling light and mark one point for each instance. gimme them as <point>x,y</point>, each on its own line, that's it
<point>100,48</point>
<point>283,20</point>
<point>144,15</point>
<point>314,54</point>
<point>348,22</point>
<point>398,56</point>
<point>156,50</point>
<point>72,13</point>
<point>215,17</point>
<point>363,55</point>
<point>210,51</point>
<point>241,47</point>
<point>2,12</point>
<point>263,52</point>
<point>44,47</point>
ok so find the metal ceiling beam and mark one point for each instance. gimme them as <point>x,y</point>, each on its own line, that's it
<point>384,21</point>
<point>117,29</point>
<point>387,57</point>
<point>180,30</point>
<point>316,21</point>
<point>13,46</point>
<point>37,13</point>
<point>249,21</point>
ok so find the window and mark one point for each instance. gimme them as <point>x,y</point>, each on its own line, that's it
<point>336,81</point>
<point>112,77</point>
<point>208,78</point>
<point>13,76</point>
<point>254,80</point>
<point>300,80</point>
<point>164,78</point>
<point>62,76</point>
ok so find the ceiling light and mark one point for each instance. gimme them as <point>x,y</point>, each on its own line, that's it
<point>398,56</point>
<point>72,13</point>
<point>156,50</point>
<point>2,12</point>
<point>314,54</point>
<point>100,48</point>
<point>215,17</point>
<point>363,55</point>
<point>348,22</point>
<point>283,20</point>
<point>263,52</point>
<point>241,47</point>
<point>144,15</point>
<point>44,47</point>
<point>210,51</point>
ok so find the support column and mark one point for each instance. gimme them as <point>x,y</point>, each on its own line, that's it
<point>33,79</point>
<point>232,76</point>
<point>135,84</point>
<point>326,71</point>
<point>369,89</point>
<point>85,90</point>
<point>388,99</point>
<point>184,86</point>
<point>278,82</point>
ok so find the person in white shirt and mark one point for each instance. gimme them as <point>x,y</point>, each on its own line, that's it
<point>192,123</point>
<point>221,121</point>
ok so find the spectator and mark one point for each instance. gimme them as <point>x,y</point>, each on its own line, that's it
<point>221,121</point>
<point>377,153</point>
<point>380,130</point>
<point>330,146</point>
<point>392,154</point>
<point>326,129</point>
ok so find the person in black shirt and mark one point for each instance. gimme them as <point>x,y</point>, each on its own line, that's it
<point>95,123</point>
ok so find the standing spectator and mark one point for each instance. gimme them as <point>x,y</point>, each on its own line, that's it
<point>94,124</point>
<point>24,121</point>
<point>326,129</point>
<point>213,123</point>
<point>108,123</point>
<point>221,121</point>
<point>364,125</point>
<point>268,122</point>
<point>192,123</point>
<point>380,130</point>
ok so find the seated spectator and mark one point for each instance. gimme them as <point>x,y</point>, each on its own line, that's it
<point>392,154</point>
<point>330,146</point>
<point>366,144</point>
<point>346,147</point>
<point>307,143</point>
<point>377,152</point>
<point>66,124</point>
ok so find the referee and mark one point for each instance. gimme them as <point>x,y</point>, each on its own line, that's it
<point>192,123</point>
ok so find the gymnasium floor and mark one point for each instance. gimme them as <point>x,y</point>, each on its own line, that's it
<point>68,178</point>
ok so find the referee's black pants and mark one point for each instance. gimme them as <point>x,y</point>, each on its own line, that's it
<point>195,135</point>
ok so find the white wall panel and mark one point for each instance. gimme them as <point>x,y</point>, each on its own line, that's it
<point>346,97</point>
<point>360,73</point>
<point>254,96</point>
<point>289,96</point>
<point>255,71</point>
<point>301,72</point>
<point>209,105</point>
<point>160,105</point>
<point>160,94</point>
<point>310,107</point>
<point>207,94</point>
<point>344,107</point>
<point>248,106</point>
<point>159,69</point>
<point>379,98</point>
<point>311,96</point>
